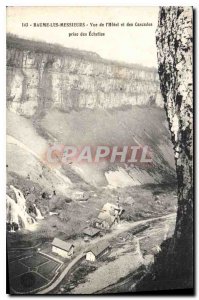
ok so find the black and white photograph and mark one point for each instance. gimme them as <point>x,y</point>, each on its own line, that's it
<point>99,150</point>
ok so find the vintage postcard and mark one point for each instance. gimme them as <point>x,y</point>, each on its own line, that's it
<point>99,150</point>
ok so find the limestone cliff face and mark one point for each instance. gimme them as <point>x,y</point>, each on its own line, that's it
<point>39,80</point>
<point>174,43</point>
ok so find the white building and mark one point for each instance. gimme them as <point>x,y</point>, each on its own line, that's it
<point>62,248</point>
<point>109,216</point>
<point>97,250</point>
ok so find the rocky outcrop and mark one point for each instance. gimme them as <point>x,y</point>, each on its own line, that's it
<point>173,265</point>
<point>38,79</point>
<point>175,46</point>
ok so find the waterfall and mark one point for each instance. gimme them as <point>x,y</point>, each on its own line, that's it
<point>20,197</point>
<point>17,211</point>
<point>38,213</point>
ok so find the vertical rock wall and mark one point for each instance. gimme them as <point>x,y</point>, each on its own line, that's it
<point>38,81</point>
<point>174,44</point>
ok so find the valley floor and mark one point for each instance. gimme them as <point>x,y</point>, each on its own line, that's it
<point>128,253</point>
<point>133,242</point>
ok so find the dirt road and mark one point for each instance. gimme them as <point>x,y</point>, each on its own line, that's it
<point>90,287</point>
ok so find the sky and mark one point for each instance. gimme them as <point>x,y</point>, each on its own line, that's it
<point>133,44</point>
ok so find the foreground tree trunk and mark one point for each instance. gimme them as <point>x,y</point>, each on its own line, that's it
<point>174,46</point>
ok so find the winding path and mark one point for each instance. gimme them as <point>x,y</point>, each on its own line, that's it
<point>63,274</point>
<point>124,228</point>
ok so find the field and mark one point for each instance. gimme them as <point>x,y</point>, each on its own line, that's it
<point>16,269</point>
<point>27,282</point>
<point>30,273</point>
<point>48,270</point>
<point>34,261</point>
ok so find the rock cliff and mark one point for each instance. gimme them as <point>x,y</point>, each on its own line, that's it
<point>173,267</point>
<point>175,46</point>
<point>42,76</point>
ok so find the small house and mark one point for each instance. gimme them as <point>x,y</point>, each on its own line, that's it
<point>97,251</point>
<point>62,248</point>
<point>109,216</point>
<point>106,220</point>
<point>91,232</point>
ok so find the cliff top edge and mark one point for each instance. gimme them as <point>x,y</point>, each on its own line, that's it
<point>13,41</point>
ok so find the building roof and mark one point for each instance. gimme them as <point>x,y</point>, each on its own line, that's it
<point>111,209</point>
<point>97,249</point>
<point>91,231</point>
<point>105,216</point>
<point>62,244</point>
<point>110,206</point>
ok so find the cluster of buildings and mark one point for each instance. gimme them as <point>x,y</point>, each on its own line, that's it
<point>108,217</point>
<point>66,250</point>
